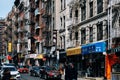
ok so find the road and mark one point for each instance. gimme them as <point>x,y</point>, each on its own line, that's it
<point>28,77</point>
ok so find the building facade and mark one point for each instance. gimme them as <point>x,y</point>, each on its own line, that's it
<point>2,42</point>
<point>88,28</point>
<point>58,31</point>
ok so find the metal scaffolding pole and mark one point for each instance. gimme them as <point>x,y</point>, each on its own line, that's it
<point>111,23</point>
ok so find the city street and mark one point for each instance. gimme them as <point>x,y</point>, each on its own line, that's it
<point>60,39</point>
<point>28,77</point>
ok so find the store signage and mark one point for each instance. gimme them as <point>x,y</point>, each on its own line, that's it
<point>9,47</point>
<point>94,48</point>
<point>73,51</point>
<point>113,50</point>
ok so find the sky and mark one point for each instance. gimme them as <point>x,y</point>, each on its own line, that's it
<point>5,7</point>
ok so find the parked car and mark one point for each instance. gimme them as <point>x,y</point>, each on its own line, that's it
<point>15,75</point>
<point>23,69</point>
<point>34,71</point>
<point>8,64</point>
<point>49,72</point>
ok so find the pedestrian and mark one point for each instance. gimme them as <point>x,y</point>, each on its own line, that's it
<point>61,71</point>
<point>67,69</point>
<point>6,74</point>
<point>73,72</point>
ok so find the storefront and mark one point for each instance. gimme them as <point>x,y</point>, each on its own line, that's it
<point>74,56</point>
<point>113,63</point>
<point>30,59</point>
<point>93,60</point>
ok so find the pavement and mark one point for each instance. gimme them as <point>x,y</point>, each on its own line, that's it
<point>90,78</point>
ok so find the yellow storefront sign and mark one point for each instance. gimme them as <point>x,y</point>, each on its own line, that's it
<point>73,51</point>
<point>39,56</point>
<point>9,47</point>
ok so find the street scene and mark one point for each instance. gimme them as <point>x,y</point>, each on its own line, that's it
<point>59,39</point>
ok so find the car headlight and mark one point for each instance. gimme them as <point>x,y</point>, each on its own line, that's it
<point>18,75</point>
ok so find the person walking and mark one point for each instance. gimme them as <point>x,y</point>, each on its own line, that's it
<point>61,71</point>
<point>73,72</point>
<point>6,75</point>
<point>67,71</point>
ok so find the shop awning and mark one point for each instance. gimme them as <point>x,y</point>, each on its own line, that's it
<point>39,56</point>
<point>73,51</point>
<point>113,50</point>
<point>98,47</point>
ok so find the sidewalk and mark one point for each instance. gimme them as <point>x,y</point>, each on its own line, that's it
<point>90,78</point>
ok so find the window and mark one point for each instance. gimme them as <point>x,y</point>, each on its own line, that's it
<point>106,30</point>
<point>61,4</point>
<point>83,13</point>
<point>99,31</point>
<point>71,35</point>
<point>64,22</point>
<point>61,21</point>
<point>91,34</point>
<point>83,36</point>
<point>99,6</point>
<point>61,42</point>
<point>70,13</point>
<point>76,13</point>
<point>119,21</point>
<point>76,16</point>
<point>64,4</point>
<point>64,41</point>
<point>76,35</point>
<point>91,9</point>
<point>53,24</point>
<point>53,7</point>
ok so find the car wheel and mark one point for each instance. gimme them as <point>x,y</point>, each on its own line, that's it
<point>33,74</point>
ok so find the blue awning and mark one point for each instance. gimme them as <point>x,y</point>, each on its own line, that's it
<point>94,48</point>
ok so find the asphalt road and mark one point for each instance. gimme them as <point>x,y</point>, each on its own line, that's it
<point>28,77</point>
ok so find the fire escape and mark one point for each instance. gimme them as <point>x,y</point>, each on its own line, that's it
<point>31,23</point>
<point>46,18</point>
<point>114,23</point>
<point>73,22</point>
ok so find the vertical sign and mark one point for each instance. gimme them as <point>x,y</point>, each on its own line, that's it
<point>18,48</point>
<point>57,55</point>
<point>55,37</point>
<point>29,44</point>
<point>9,47</point>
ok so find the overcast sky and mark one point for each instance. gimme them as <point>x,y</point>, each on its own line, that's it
<point>5,7</point>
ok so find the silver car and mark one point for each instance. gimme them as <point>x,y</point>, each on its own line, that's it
<point>13,71</point>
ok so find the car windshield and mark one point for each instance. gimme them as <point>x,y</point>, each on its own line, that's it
<point>22,66</point>
<point>10,68</point>
<point>9,64</point>
<point>36,68</point>
<point>50,68</point>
